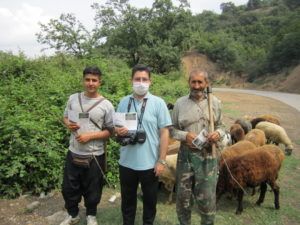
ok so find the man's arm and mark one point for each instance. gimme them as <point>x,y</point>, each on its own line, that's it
<point>175,130</point>
<point>83,138</point>
<point>163,148</point>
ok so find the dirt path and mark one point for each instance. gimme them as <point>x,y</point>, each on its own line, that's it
<point>13,212</point>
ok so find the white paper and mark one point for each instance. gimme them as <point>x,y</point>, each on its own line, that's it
<point>84,123</point>
<point>201,139</point>
<point>128,120</point>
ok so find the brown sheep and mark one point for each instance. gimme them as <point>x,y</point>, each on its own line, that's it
<point>245,124</point>
<point>271,118</point>
<point>257,137</point>
<point>251,169</point>
<point>267,117</point>
<point>237,133</point>
<point>236,149</point>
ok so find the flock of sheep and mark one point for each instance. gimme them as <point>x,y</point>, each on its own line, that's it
<point>250,156</point>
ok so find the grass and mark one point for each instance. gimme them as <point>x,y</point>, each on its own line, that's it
<point>297,142</point>
<point>228,109</point>
<point>266,214</point>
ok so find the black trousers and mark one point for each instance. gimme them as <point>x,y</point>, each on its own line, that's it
<point>129,180</point>
<point>82,182</point>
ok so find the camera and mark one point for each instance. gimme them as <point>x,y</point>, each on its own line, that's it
<point>132,138</point>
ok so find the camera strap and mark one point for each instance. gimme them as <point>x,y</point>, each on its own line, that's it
<point>140,118</point>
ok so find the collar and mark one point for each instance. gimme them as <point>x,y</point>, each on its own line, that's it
<point>145,97</point>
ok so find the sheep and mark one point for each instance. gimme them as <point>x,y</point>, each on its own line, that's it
<point>275,150</point>
<point>267,117</point>
<point>271,118</point>
<point>257,167</point>
<point>246,125</point>
<point>237,133</point>
<point>257,137</point>
<point>276,134</point>
<point>168,177</point>
<point>235,150</point>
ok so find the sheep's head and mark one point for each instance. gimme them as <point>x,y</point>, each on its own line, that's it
<point>237,133</point>
<point>289,149</point>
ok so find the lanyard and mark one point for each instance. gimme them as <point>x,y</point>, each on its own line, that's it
<point>140,118</point>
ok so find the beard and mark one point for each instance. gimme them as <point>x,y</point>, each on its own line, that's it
<point>197,93</point>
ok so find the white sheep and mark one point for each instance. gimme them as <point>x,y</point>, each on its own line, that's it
<point>276,134</point>
<point>168,177</point>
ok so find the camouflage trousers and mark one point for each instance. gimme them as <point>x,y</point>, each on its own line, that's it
<point>196,177</point>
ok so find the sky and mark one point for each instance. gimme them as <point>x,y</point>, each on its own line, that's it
<point>19,19</point>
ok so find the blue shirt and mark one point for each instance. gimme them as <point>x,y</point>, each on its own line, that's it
<point>156,116</point>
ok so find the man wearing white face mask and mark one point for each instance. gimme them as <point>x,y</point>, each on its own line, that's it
<point>142,159</point>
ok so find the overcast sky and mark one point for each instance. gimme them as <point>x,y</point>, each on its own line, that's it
<point>19,18</point>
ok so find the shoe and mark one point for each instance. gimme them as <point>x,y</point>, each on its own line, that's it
<point>70,220</point>
<point>91,220</point>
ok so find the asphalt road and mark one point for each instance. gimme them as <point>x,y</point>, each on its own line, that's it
<point>287,98</point>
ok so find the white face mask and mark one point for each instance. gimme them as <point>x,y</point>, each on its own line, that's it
<point>140,88</point>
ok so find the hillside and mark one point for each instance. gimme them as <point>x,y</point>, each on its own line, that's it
<point>287,81</point>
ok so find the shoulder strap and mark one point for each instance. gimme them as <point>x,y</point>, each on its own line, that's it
<point>93,106</point>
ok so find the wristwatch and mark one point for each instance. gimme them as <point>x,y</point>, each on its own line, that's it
<point>163,162</point>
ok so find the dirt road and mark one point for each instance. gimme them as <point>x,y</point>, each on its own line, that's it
<point>287,98</point>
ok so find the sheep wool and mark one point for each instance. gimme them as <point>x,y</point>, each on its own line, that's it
<point>168,177</point>
<point>257,137</point>
<point>258,167</point>
<point>237,133</point>
<point>276,134</point>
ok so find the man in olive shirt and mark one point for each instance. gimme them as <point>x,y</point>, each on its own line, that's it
<point>196,168</point>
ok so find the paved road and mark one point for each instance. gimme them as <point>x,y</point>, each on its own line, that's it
<point>287,98</point>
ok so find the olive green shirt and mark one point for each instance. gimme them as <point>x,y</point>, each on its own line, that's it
<point>192,116</point>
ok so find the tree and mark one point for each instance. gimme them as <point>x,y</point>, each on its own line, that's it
<point>292,4</point>
<point>143,35</point>
<point>66,34</point>
<point>228,7</point>
<point>254,4</point>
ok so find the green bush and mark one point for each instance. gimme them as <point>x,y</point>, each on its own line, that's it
<point>33,140</point>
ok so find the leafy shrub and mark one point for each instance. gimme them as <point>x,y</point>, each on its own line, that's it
<point>33,140</point>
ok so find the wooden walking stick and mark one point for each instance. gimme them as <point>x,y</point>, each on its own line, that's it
<point>211,120</point>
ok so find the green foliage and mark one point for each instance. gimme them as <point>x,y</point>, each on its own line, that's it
<point>247,39</point>
<point>66,34</point>
<point>33,140</point>
<point>33,94</point>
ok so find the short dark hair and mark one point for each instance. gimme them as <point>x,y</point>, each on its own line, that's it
<point>92,70</point>
<point>140,67</point>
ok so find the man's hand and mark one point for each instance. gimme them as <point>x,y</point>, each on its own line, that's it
<point>83,138</point>
<point>213,137</point>
<point>159,169</point>
<point>72,126</point>
<point>121,131</point>
<point>189,138</point>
